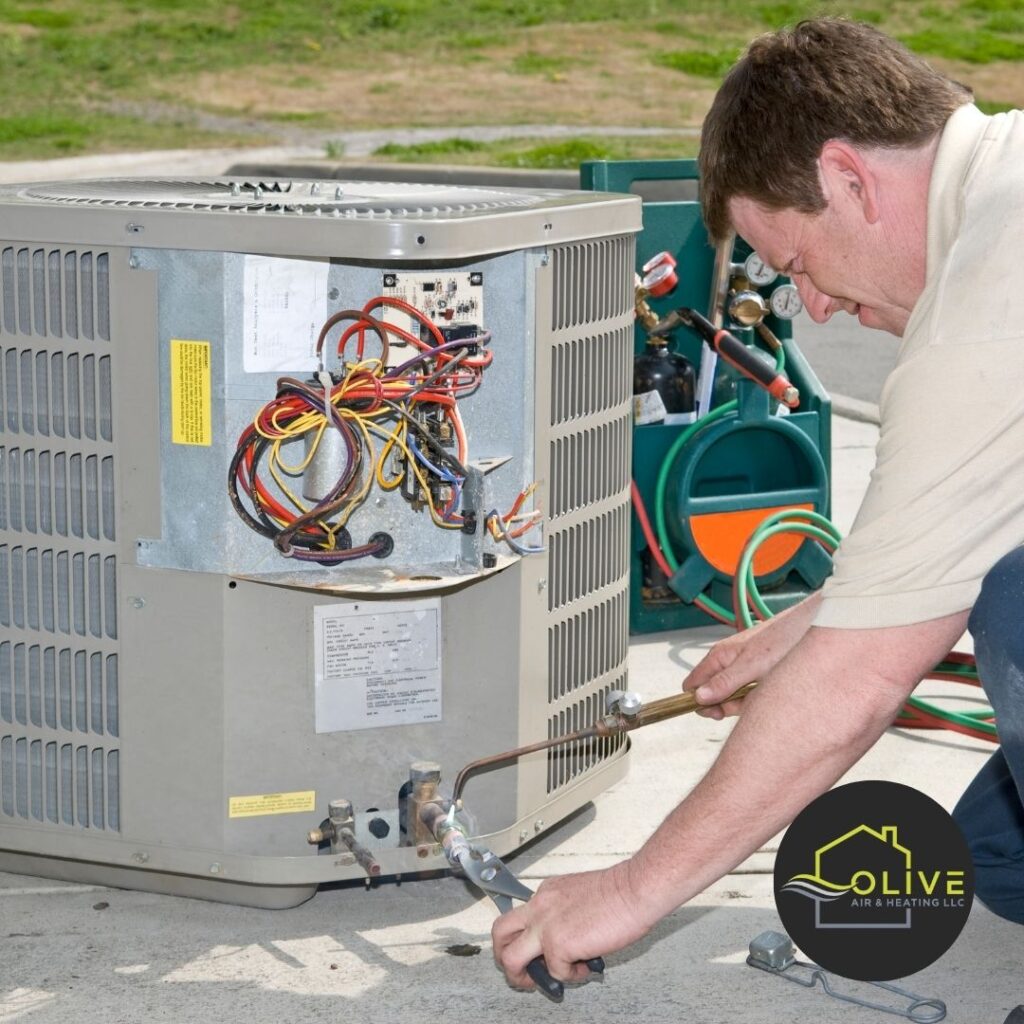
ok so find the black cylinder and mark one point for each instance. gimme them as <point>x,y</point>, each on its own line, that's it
<point>671,376</point>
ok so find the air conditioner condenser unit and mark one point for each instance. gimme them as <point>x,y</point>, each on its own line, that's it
<point>304,487</point>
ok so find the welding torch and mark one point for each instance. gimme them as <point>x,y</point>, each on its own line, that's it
<point>625,713</point>
<point>734,352</point>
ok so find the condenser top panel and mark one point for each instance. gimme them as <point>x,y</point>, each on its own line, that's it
<point>355,220</point>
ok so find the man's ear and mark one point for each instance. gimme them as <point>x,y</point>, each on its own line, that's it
<point>846,175</point>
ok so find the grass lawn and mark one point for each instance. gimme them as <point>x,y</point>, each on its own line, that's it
<point>137,74</point>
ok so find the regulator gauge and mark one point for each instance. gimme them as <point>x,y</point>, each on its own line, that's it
<point>786,302</point>
<point>758,272</point>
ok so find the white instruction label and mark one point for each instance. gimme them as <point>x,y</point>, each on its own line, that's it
<point>285,309</point>
<point>377,664</point>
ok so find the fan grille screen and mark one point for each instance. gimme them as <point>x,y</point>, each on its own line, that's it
<point>356,200</point>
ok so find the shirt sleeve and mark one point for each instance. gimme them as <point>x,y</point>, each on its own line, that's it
<point>946,497</point>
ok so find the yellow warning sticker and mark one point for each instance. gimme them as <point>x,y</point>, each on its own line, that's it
<point>190,393</point>
<point>271,803</point>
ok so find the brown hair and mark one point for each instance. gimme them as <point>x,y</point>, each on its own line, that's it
<point>794,90</point>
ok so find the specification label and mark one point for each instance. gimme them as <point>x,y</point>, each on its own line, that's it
<point>190,393</point>
<point>271,803</point>
<point>285,308</point>
<point>377,664</point>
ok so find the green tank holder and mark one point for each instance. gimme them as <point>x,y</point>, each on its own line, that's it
<point>734,471</point>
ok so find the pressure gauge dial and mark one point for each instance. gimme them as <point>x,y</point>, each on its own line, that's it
<point>758,272</point>
<point>786,302</point>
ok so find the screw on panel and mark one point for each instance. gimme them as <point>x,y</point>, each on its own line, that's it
<point>314,189</point>
<point>524,835</point>
<point>542,585</point>
<point>140,857</point>
<point>215,869</point>
<point>545,260</point>
<point>134,229</point>
<point>339,193</point>
<point>133,262</point>
<point>136,602</point>
<point>538,825</point>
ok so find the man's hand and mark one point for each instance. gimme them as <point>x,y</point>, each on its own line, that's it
<point>571,919</point>
<point>746,657</point>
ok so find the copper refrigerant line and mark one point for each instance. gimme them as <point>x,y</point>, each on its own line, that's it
<point>626,714</point>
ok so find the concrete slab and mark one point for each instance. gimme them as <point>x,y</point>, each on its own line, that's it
<point>87,954</point>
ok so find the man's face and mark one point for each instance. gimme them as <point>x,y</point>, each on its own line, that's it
<point>834,262</point>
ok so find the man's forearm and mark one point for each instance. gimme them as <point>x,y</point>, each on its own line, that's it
<point>813,717</point>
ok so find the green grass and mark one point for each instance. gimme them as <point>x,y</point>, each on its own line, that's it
<point>981,46</point>
<point>992,106</point>
<point>47,136</point>
<point>531,63</point>
<point>540,153</point>
<point>64,64</point>
<point>696,62</point>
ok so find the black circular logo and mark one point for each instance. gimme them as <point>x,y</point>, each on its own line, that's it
<point>873,881</point>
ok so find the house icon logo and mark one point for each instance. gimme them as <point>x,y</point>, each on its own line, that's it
<point>843,858</point>
<point>873,880</point>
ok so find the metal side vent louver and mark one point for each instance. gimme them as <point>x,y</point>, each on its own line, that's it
<point>354,200</point>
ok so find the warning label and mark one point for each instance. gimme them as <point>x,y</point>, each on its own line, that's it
<point>377,664</point>
<point>271,803</point>
<point>190,393</point>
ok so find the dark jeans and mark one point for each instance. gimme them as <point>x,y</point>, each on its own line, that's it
<point>991,811</point>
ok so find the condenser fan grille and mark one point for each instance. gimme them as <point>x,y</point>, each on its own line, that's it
<point>355,200</point>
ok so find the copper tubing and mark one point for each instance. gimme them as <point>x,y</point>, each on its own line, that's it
<point>613,724</point>
<point>363,857</point>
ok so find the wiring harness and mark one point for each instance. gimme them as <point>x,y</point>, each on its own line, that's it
<point>399,428</point>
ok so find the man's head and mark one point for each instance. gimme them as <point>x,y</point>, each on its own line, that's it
<point>793,91</point>
<point>818,150</point>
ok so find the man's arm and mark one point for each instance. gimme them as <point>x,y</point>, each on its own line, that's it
<point>813,716</point>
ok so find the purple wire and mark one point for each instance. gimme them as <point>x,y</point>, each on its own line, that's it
<point>480,339</point>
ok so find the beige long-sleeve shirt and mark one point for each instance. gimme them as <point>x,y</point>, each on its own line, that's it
<point>946,497</point>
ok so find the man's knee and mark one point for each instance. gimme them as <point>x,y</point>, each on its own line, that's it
<point>1002,594</point>
<point>995,624</point>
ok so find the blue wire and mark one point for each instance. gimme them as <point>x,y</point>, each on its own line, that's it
<point>443,474</point>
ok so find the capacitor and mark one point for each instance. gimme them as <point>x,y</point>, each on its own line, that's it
<point>669,375</point>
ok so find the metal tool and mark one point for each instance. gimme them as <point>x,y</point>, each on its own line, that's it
<point>487,871</point>
<point>625,713</point>
<point>775,953</point>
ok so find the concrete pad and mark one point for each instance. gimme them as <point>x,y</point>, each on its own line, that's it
<point>88,954</point>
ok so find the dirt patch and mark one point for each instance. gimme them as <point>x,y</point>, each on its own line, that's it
<point>1000,82</point>
<point>555,74</point>
<point>583,77</point>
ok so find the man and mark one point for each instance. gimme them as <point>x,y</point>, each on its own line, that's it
<point>870,179</point>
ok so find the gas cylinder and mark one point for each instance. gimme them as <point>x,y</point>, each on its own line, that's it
<point>670,376</point>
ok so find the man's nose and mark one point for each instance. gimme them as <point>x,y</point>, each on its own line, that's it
<point>819,306</point>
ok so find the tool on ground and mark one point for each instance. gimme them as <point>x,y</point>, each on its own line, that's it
<point>626,712</point>
<point>775,953</point>
<point>488,872</point>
